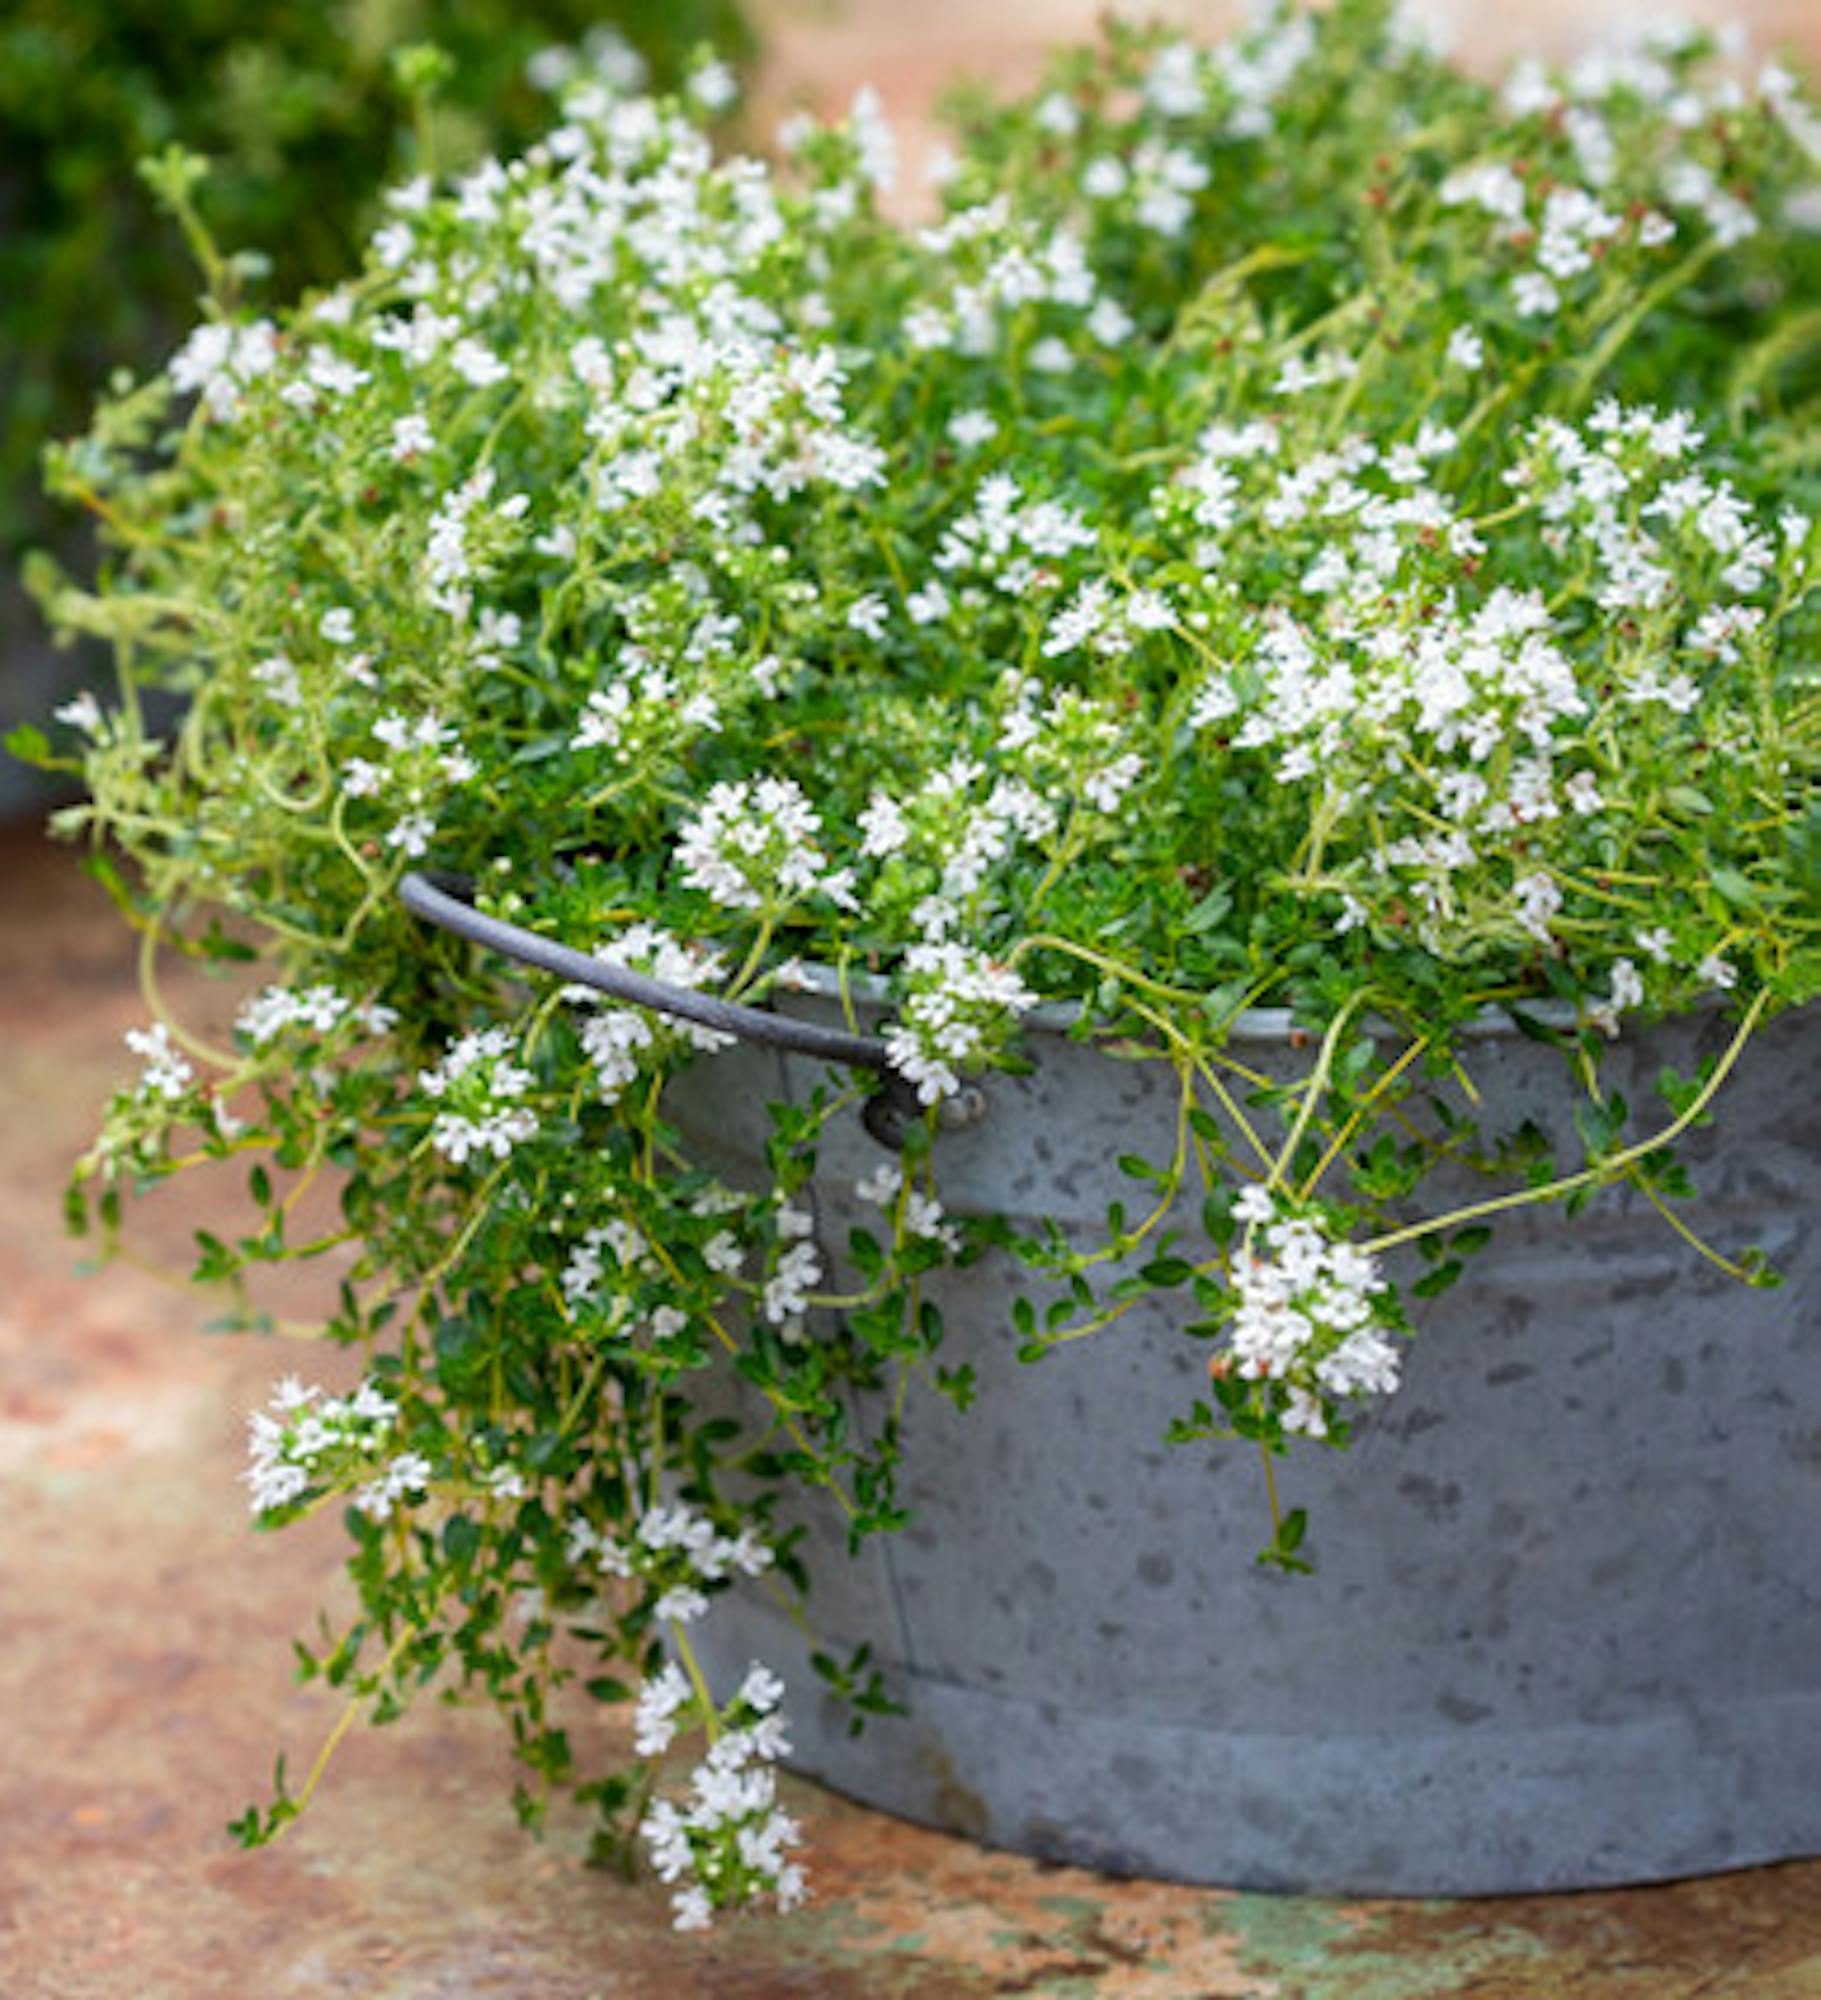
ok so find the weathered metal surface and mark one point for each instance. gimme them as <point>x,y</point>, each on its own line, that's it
<point>142,1691</point>
<point>1568,1602</point>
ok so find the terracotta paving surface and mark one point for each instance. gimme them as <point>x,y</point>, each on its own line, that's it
<point>144,1691</point>
<point>143,1680</point>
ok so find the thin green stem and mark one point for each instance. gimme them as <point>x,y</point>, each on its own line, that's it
<point>1604,1169</point>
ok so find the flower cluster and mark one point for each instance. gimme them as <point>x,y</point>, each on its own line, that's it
<point>796,1269</point>
<point>673,1550</point>
<point>421,760</point>
<point>729,1840</point>
<point>218,363</point>
<point>1309,1314</point>
<point>167,1074</point>
<point>616,1037</point>
<point>915,1210</point>
<point>310,1442</point>
<point>958,1003</point>
<point>753,847</point>
<point>318,1010</point>
<point>478,1092</point>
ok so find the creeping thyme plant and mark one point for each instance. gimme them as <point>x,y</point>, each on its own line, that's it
<point>1303,528</point>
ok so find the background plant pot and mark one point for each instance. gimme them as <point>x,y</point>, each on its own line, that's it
<point>1566,1624</point>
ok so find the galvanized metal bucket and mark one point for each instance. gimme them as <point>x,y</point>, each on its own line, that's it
<point>1565,1628</point>
<point>1566,1624</point>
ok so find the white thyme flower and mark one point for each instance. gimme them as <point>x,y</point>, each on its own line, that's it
<point>279,677</point>
<point>714,86</point>
<point>727,1828</point>
<point>478,1090</point>
<point>873,140</point>
<point>723,1253</point>
<point>219,362</point>
<point>1253,1204</point>
<point>787,1290</point>
<point>167,1073</point>
<point>1538,900</point>
<point>404,1478</point>
<point>412,437</point>
<point>957,999</point>
<point>308,1438</point>
<point>869,616</point>
<point>753,844</point>
<point>617,1038</point>
<point>928,605</point>
<point>1534,296</point>
<point>82,711</point>
<point>505,1482</point>
<point>477,364</point>
<point>412,835</point>
<point>1305,1314</point>
<point>691,1909</point>
<point>883,826</point>
<point>1466,350</point>
<point>682,1604</point>
<point>660,1701</point>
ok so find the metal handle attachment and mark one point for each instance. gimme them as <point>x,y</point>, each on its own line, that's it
<point>446,899</point>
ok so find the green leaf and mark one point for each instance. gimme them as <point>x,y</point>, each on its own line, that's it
<point>958,1385</point>
<point>1600,1125</point>
<point>1433,1283</point>
<point>1210,913</point>
<point>1166,1271</point>
<point>31,746</point>
<point>863,1247</point>
<point>462,1538</point>
<point>1738,889</point>
<point>1805,852</point>
<point>1539,1031</point>
<point>461,1352</point>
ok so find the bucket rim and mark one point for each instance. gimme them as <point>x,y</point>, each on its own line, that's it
<point>1278,1025</point>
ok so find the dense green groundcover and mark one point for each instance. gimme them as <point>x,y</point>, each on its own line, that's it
<point>297,106</point>
<point>1304,528</point>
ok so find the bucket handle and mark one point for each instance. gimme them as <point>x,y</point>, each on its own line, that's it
<point>446,899</point>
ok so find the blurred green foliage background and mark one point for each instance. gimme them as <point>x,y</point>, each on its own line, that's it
<point>295,104</point>
<point>298,107</point>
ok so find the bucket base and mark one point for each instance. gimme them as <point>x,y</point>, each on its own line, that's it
<point>1474,1811</point>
